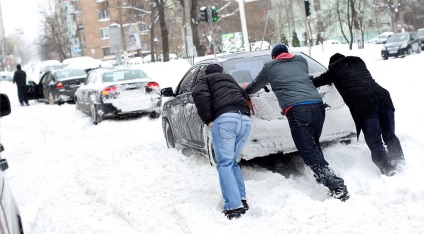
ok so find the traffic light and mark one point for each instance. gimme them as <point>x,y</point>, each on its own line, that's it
<point>307,8</point>
<point>204,14</point>
<point>214,14</point>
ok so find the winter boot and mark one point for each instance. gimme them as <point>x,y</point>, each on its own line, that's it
<point>236,213</point>
<point>245,205</point>
<point>336,187</point>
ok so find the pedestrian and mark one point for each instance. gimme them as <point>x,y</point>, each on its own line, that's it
<point>302,105</point>
<point>20,79</point>
<point>371,108</point>
<point>221,104</point>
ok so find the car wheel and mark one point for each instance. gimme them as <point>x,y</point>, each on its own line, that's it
<point>51,99</point>
<point>385,57</point>
<point>211,151</point>
<point>419,50</point>
<point>77,107</point>
<point>95,118</point>
<point>169,135</point>
<point>409,51</point>
<point>154,114</point>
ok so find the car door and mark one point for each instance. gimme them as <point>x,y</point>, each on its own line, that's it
<point>196,124</point>
<point>414,42</point>
<point>87,89</point>
<point>32,91</point>
<point>180,122</point>
<point>45,84</point>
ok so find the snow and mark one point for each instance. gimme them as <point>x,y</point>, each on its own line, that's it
<point>70,176</point>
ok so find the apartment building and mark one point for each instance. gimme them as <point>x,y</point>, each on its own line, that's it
<point>86,25</point>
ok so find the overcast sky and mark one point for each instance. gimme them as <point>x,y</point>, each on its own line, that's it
<point>22,14</point>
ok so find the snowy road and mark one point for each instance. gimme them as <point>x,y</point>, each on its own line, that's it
<point>70,176</point>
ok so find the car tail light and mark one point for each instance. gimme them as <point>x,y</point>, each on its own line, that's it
<point>152,86</point>
<point>109,90</point>
<point>59,85</point>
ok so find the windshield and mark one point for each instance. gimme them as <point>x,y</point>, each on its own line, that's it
<point>246,69</point>
<point>420,33</point>
<point>398,38</point>
<point>60,75</point>
<point>123,75</point>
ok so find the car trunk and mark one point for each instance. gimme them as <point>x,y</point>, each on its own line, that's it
<point>72,84</point>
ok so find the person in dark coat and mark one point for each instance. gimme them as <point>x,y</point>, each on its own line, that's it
<point>20,79</point>
<point>300,101</point>
<point>371,108</point>
<point>221,104</point>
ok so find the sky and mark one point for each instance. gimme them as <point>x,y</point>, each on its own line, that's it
<point>70,176</point>
<point>23,14</point>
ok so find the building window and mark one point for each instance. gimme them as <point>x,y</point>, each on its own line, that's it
<point>317,5</point>
<point>103,14</point>
<point>104,33</point>
<point>106,51</point>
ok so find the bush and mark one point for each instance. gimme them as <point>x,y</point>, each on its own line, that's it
<point>295,40</point>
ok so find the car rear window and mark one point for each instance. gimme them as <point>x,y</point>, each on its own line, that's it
<point>123,75</point>
<point>246,69</point>
<point>60,75</point>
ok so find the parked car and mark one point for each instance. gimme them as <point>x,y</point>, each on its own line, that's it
<point>332,42</point>
<point>420,35</point>
<point>112,92</point>
<point>48,65</point>
<point>10,217</point>
<point>380,39</point>
<point>401,44</point>
<point>260,45</point>
<point>6,76</point>
<point>56,86</point>
<point>270,134</point>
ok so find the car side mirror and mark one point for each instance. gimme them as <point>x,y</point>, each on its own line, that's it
<point>167,92</point>
<point>32,83</point>
<point>4,105</point>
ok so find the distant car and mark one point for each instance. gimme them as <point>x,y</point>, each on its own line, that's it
<point>112,92</point>
<point>420,35</point>
<point>380,39</point>
<point>48,65</point>
<point>57,86</point>
<point>6,76</point>
<point>401,44</point>
<point>332,42</point>
<point>270,134</point>
<point>10,217</point>
<point>85,63</point>
<point>260,45</point>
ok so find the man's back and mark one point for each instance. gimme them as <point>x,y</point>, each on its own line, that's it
<point>19,78</point>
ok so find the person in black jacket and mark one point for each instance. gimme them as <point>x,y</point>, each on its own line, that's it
<point>371,107</point>
<point>221,104</point>
<point>20,79</point>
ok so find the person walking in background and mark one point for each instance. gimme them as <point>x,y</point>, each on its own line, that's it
<point>20,79</point>
<point>371,108</point>
<point>302,105</point>
<point>221,104</point>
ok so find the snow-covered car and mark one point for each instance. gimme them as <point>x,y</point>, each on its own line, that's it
<point>380,39</point>
<point>10,217</point>
<point>401,44</point>
<point>270,134</point>
<point>332,42</point>
<point>260,45</point>
<point>420,35</point>
<point>56,86</point>
<point>121,91</point>
<point>48,65</point>
<point>86,63</point>
<point>6,76</point>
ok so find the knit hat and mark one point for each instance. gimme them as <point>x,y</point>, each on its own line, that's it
<point>336,57</point>
<point>213,68</point>
<point>278,49</point>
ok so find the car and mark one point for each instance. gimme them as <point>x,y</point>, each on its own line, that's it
<point>260,45</point>
<point>6,76</point>
<point>86,63</point>
<point>381,39</point>
<point>10,217</point>
<point>401,44</point>
<point>420,35</point>
<point>48,65</point>
<point>270,134</point>
<point>56,86</point>
<point>110,92</point>
<point>332,42</point>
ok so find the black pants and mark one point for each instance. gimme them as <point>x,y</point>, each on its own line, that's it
<point>378,124</point>
<point>21,95</point>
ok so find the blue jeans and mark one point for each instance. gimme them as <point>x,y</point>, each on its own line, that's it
<point>306,123</point>
<point>229,134</point>
<point>380,123</point>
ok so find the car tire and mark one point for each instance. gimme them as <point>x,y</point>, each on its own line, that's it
<point>385,57</point>
<point>95,118</point>
<point>419,50</point>
<point>154,114</point>
<point>77,107</point>
<point>211,151</point>
<point>169,135</point>
<point>51,99</point>
<point>410,51</point>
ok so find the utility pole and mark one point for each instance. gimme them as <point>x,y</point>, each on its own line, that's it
<point>243,25</point>
<point>123,39</point>
<point>305,20</point>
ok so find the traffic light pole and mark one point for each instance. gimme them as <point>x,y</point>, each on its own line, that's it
<point>305,19</point>
<point>210,19</point>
